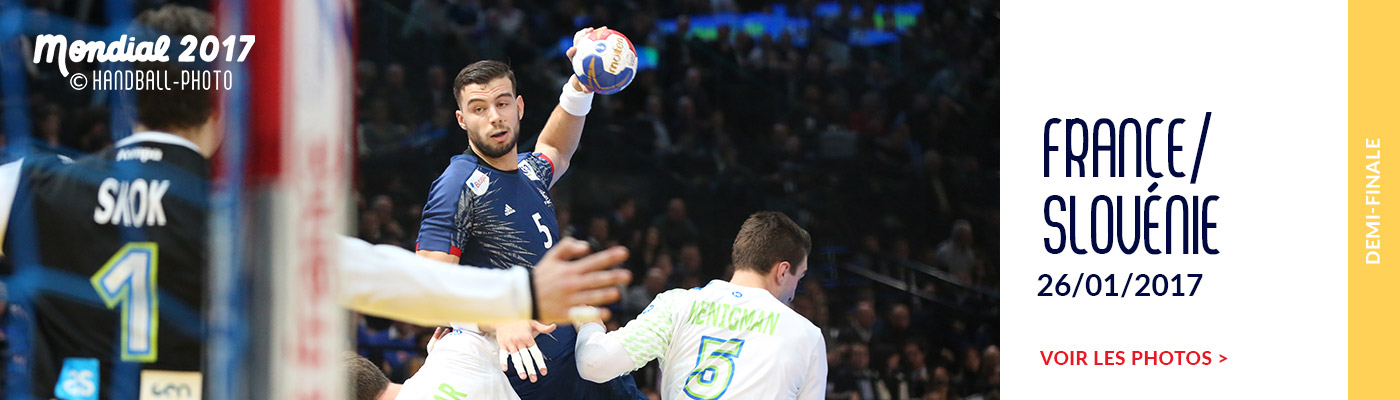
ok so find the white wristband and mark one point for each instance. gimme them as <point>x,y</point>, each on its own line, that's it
<point>582,315</point>
<point>574,101</point>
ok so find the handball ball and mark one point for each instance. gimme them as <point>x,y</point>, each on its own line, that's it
<point>605,62</point>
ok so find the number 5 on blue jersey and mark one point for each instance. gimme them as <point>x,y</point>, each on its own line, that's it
<point>548,239</point>
<point>129,279</point>
<point>714,368</point>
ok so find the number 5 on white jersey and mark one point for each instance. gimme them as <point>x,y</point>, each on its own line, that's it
<point>714,368</point>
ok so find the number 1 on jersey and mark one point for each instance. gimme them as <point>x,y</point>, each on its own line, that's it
<point>714,368</point>
<point>129,279</point>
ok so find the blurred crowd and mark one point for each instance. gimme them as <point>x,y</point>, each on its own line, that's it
<point>886,154</point>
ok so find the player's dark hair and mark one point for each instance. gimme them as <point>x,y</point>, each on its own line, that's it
<point>367,381</point>
<point>480,73</point>
<point>768,238</point>
<point>177,108</point>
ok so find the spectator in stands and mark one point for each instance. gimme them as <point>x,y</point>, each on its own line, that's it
<point>371,230</point>
<point>94,132</point>
<point>856,380</point>
<point>598,237</point>
<point>650,250</point>
<point>991,373</point>
<point>381,133</point>
<point>366,80</point>
<point>861,325</point>
<point>404,108</point>
<point>821,314</point>
<point>935,190</point>
<point>921,378</point>
<point>565,217</point>
<point>637,297</point>
<point>955,254</point>
<point>48,123</point>
<point>869,255</point>
<point>393,231</point>
<point>894,380</point>
<point>506,18</point>
<point>835,361</point>
<point>968,378</point>
<point>689,261</point>
<point>652,128</point>
<point>895,328</point>
<point>675,228</point>
<point>436,95</point>
<point>624,224</point>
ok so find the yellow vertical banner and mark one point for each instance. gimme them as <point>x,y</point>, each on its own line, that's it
<point>1374,273</point>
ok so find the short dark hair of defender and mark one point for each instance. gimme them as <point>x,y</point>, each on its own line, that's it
<point>367,381</point>
<point>177,108</point>
<point>480,73</point>
<point>768,238</point>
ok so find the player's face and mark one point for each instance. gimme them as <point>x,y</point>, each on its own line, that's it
<point>491,115</point>
<point>789,281</point>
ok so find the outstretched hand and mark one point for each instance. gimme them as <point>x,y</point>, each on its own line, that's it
<point>517,341</point>
<point>568,276</point>
<point>573,79</point>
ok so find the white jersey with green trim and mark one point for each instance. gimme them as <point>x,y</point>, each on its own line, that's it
<point>728,341</point>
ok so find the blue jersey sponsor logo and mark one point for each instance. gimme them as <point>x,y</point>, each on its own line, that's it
<point>78,380</point>
<point>478,182</point>
<point>528,170</point>
<point>546,197</point>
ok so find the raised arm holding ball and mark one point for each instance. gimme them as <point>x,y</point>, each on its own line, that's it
<point>491,208</point>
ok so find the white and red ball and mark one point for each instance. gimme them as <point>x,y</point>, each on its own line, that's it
<point>606,62</point>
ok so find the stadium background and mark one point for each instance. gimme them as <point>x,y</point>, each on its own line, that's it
<point>877,131</point>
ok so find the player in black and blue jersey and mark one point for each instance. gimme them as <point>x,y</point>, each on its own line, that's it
<point>116,243</point>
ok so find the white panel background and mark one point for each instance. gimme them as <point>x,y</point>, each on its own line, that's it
<point>1274,301</point>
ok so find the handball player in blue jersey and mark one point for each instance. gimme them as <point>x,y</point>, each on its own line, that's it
<point>491,208</point>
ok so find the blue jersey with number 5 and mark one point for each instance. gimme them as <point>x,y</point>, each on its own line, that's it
<point>498,219</point>
<point>489,217</point>
<point>492,218</point>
